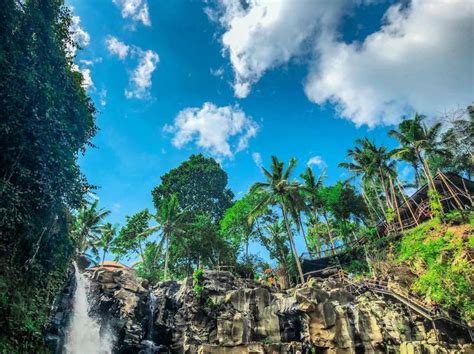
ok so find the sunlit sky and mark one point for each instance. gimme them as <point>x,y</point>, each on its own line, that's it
<point>243,81</point>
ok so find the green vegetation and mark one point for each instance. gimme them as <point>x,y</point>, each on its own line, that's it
<point>47,120</point>
<point>197,278</point>
<point>440,257</point>
<point>47,221</point>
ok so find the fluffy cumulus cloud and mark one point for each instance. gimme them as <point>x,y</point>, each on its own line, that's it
<point>419,60</point>
<point>221,131</point>
<point>137,10</point>
<point>266,34</point>
<point>316,161</point>
<point>140,78</point>
<point>116,47</point>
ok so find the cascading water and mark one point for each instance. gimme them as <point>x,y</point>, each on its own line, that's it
<point>149,346</point>
<point>84,334</point>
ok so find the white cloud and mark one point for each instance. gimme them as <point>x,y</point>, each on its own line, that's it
<point>257,158</point>
<point>87,82</point>
<point>140,79</point>
<point>137,10</point>
<point>421,59</point>
<point>90,62</point>
<point>317,161</point>
<point>81,39</point>
<point>78,35</point>
<point>217,72</point>
<point>222,131</point>
<point>269,33</point>
<point>116,47</point>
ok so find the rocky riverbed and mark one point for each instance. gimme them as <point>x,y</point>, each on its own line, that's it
<point>233,315</point>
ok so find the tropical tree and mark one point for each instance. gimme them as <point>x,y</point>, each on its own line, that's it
<point>170,221</point>
<point>279,190</point>
<point>418,142</point>
<point>87,225</point>
<point>132,238</point>
<point>200,185</point>
<point>458,141</point>
<point>107,234</point>
<point>377,171</point>
<point>238,223</point>
<point>311,188</point>
<point>275,241</point>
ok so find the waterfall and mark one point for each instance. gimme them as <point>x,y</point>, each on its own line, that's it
<point>149,347</point>
<point>151,315</point>
<point>84,334</point>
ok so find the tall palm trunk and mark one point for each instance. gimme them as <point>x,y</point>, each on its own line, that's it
<point>303,233</point>
<point>328,224</point>
<point>167,254</point>
<point>103,255</point>
<point>292,243</point>
<point>397,209</point>
<point>386,192</point>
<point>379,201</point>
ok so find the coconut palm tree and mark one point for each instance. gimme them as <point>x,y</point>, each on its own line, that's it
<point>417,143</point>
<point>87,224</point>
<point>107,235</point>
<point>377,171</point>
<point>310,189</point>
<point>170,220</point>
<point>279,190</point>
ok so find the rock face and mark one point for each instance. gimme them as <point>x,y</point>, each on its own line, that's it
<point>232,315</point>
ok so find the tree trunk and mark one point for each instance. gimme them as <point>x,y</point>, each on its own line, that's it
<point>166,257</point>
<point>395,202</point>
<point>304,234</point>
<point>292,244</point>
<point>329,233</point>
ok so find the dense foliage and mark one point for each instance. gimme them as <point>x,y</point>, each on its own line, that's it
<point>46,121</point>
<point>200,185</point>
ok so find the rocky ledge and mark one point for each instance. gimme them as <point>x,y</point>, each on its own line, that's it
<point>231,315</point>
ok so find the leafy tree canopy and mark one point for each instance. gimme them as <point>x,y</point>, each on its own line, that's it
<point>132,236</point>
<point>200,185</point>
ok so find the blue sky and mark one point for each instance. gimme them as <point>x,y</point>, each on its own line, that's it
<point>297,79</point>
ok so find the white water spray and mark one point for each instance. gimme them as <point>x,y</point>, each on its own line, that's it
<point>84,334</point>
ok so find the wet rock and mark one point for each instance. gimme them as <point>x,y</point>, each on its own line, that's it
<point>233,315</point>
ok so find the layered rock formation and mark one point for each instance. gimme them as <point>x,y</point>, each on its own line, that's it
<point>232,315</point>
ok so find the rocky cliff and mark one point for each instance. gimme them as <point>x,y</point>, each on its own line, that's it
<point>232,315</point>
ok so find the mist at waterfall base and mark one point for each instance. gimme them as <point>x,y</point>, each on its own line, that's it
<point>84,334</point>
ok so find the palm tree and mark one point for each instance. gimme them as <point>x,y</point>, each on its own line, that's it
<point>278,190</point>
<point>87,224</point>
<point>417,143</point>
<point>107,235</point>
<point>169,217</point>
<point>311,189</point>
<point>373,165</point>
<point>378,171</point>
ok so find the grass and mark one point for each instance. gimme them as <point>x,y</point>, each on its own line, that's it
<point>439,254</point>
